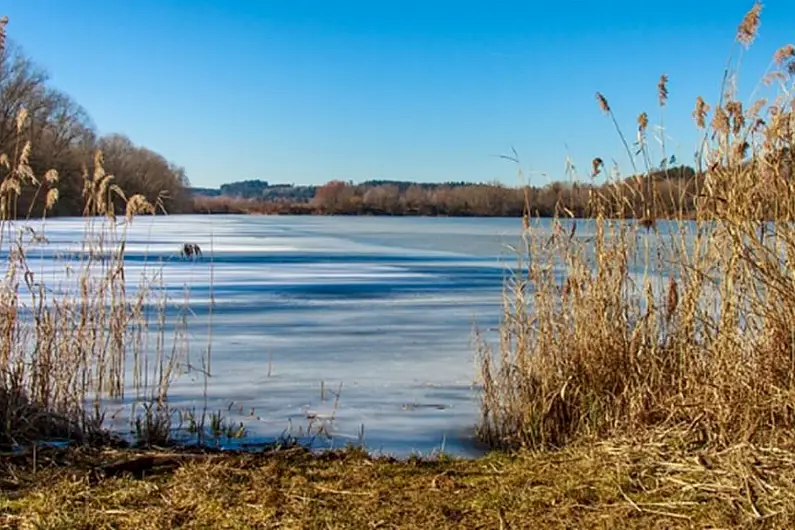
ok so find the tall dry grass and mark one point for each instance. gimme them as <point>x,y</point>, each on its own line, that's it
<point>615,327</point>
<point>72,343</point>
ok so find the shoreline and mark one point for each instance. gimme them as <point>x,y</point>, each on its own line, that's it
<point>686,216</point>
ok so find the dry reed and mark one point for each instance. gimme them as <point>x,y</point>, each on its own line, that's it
<point>68,345</point>
<point>686,326</point>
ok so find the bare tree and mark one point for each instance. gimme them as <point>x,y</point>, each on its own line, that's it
<point>63,137</point>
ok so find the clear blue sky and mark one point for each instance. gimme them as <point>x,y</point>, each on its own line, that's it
<point>305,91</point>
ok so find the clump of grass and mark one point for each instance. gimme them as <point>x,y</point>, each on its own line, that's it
<point>212,430</point>
<point>65,348</point>
<point>67,345</point>
<point>153,426</point>
<point>686,325</point>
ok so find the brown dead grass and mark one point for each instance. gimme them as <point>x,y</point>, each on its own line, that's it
<point>684,324</point>
<point>71,342</point>
<point>619,484</point>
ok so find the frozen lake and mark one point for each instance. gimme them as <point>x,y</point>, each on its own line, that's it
<point>384,307</point>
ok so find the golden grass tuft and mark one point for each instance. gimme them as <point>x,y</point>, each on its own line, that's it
<point>52,199</point>
<point>685,325</point>
<point>700,112</point>
<point>603,104</point>
<point>749,27</point>
<point>662,90</point>
<point>137,205</point>
<point>643,122</point>
<point>784,54</point>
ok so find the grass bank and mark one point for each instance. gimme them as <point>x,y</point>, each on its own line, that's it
<point>619,484</point>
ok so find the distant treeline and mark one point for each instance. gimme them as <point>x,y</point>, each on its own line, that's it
<point>662,192</point>
<point>263,190</point>
<point>60,135</point>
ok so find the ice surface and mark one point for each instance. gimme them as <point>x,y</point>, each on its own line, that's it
<point>383,306</point>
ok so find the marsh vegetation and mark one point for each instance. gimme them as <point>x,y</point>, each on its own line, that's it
<point>644,371</point>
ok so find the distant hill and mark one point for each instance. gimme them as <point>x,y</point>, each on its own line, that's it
<point>263,190</point>
<point>259,189</point>
<point>404,185</point>
<point>207,192</point>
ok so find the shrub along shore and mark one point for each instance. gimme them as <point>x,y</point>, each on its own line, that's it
<point>612,399</point>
